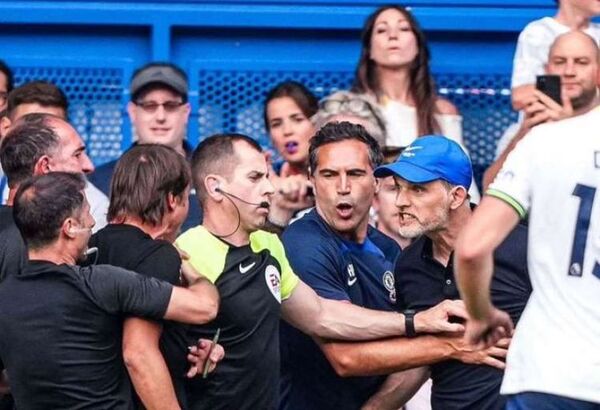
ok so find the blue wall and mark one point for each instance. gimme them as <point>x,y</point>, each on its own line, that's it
<point>234,51</point>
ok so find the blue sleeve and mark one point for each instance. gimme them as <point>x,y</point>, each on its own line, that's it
<point>316,260</point>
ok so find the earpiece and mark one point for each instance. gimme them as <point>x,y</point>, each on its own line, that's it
<point>74,231</point>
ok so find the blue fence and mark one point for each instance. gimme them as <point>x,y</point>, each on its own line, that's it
<point>234,51</point>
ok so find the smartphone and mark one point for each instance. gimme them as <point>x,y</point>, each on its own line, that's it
<point>549,85</point>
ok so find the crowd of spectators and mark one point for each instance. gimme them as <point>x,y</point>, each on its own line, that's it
<point>224,276</point>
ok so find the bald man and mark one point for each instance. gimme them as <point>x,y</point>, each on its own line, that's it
<point>574,56</point>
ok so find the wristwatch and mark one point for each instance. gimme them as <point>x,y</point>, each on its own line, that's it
<point>409,323</point>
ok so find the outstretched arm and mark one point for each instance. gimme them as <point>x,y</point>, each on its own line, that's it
<point>334,319</point>
<point>491,222</point>
<point>392,355</point>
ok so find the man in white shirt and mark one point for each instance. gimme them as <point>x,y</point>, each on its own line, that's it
<point>574,57</point>
<point>536,38</point>
<point>46,98</point>
<point>552,176</point>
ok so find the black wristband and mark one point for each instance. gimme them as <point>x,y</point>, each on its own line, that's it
<point>409,323</point>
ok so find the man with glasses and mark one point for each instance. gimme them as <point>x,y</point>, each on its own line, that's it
<point>159,111</point>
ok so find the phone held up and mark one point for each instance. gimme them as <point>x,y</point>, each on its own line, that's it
<point>549,85</point>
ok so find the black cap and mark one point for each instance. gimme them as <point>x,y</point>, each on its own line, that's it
<point>159,74</point>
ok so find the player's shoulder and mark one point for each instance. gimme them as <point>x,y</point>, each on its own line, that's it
<point>199,242</point>
<point>310,225</point>
<point>387,245</point>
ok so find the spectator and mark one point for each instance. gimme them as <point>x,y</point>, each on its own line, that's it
<point>359,109</point>
<point>148,203</point>
<point>46,98</point>
<point>256,283</point>
<point>159,112</point>
<point>35,96</point>
<point>394,68</point>
<point>60,342</point>
<point>387,216</point>
<point>536,38</point>
<point>573,56</point>
<point>36,144</point>
<point>288,109</point>
<point>6,84</point>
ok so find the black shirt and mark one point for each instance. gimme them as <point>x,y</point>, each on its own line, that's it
<point>131,248</point>
<point>61,327</point>
<point>13,252</point>
<point>422,282</point>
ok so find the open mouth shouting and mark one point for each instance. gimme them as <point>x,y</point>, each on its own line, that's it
<point>344,210</point>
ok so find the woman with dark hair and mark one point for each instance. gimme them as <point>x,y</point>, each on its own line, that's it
<point>288,109</point>
<point>287,113</point>
<point>394,68</point>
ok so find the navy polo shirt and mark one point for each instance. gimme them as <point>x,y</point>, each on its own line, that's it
<point>422,282</point>
<point>336,269</point>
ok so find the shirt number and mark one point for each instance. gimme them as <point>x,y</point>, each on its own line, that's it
<point>586,195</point>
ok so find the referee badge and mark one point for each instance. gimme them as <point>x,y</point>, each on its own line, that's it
<point>273,280</point>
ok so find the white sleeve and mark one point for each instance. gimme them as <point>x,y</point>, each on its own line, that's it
<point>98,205</point>
<point>513,184</point>
<point>531,54</point>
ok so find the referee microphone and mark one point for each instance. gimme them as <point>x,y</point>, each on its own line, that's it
<point>263,204</point>
<point>88,251</point>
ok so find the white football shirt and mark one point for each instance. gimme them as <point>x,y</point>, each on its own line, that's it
<point>554,176</point>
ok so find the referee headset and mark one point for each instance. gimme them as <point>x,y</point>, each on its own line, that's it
<point>231,197</point>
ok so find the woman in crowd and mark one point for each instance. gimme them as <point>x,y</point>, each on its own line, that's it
<point>394,68</point>
<point>287,113</point>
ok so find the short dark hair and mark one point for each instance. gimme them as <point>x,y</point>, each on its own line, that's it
<point>142,180</point>
<point>155,86</point>
<point>304,99</point>
<point>44,202</point>
<point>343,131</point>
<point>30,139</point>
<point>37,92</point>
<point>216,155</point>
<point>10,81</point>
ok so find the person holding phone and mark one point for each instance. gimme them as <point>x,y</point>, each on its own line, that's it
<point>574,58</point>
<point>536,39</point>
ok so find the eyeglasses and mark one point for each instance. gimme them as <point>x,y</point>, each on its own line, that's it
<point>353,105</point>
<point>151,106</point>
<point>3,97</point>
<point>356,106</point>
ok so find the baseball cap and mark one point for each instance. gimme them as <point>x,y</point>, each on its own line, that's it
<point>161,74</point>
<point>430,158</point>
